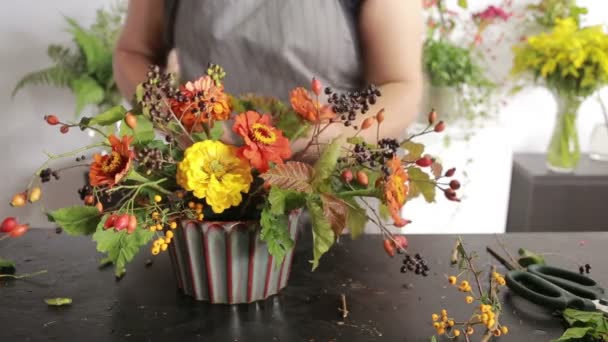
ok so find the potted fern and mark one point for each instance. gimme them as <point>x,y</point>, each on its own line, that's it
<point>87,69</point>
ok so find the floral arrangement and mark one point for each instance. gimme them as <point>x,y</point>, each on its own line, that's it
<point>87,70</point>
<point>171,162</point>
<point>570,60</point>
<point>547,12</point>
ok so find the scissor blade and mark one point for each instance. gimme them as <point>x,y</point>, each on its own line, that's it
<point>600,307</point>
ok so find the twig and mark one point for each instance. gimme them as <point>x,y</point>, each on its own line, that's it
<point>502,245</point>
<point>472,267</point>
<point>27,275</point>
<point>343,309</point>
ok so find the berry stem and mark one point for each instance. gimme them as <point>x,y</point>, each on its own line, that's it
<point>471,266</point>
<point>27,275</point>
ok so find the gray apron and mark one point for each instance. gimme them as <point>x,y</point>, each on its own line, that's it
<point>268,46</point>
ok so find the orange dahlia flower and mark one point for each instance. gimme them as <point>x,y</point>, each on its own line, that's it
<point>263,142</point>
<point>395,191</point>
<point>309,109</point>
<point>110,169</point>
<point>201,101</point>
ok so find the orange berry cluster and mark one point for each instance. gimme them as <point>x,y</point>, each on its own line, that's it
<point>162,243</point>
<point>198,210</point>
<point>444,325</point>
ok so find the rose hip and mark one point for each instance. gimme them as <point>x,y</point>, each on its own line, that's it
<point>8,224</point>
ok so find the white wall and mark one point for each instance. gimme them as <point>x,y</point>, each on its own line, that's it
<point>28,26</point>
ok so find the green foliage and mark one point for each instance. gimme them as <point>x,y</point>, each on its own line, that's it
<point>463,4</point>
<point>356,218</point>
<point>59,301</point>
<point>143,132</point>
<point>327,162</point>
<point>449,65</point>
<point>551,10</point>
<point>323,235</point>
<point>7,266</point>
<point>76,220</point>
<point>420,184</point>
<point>283,201</point>
<point>121,247</point>
<point>415,150</point>
<point>275,232</point>
<point>86,70</point>
<point>109,117</point>
<point>584,326</point>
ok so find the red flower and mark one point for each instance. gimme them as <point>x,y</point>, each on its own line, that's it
<point>395,191</point>
<point>491,13</point>
<point>199,102</point>
<point>263,143</point>
<point>110,169</point>
<point>309,109</point>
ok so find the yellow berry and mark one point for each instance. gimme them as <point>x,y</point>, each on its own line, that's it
<point>456,333</point>
<point>491,323</point>
<point>198,211</point>
<point>199,206</point>
<point>191,205</point>
<point>491,314</point>
<point>169,234</point>
<point>444,312</point>
<point>159,227</point>
<point>470,330</point>
<point>444,319</point>
<point>180,194</point>
<point>157,198</point>
<point>504,330</point>
<point>164,247</point>
<point>440,331</point>
<point>156,244</point>
<point>484,318</point>
<point>451,323</point>
<point>452,280</point>
<point>152,228</point>
<point>168,241</point>
<point>173,225</point>
<point>468,299</point>
<point>155,251</point>
<point>464,283</point>
<point>502,281</point>
<point>496,332</point>
<point>155,215</point>
<point>200,217</point>
<point>435,317</point>
<point>436,325</point>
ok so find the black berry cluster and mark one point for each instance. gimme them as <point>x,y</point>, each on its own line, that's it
<point>158,88</point>
<point>81,158</point>
<point>584,269</point>
<point>386,150</point>
<point>416,264</point>
<point>85,191</point>
<point>152,159</point>
<point>45,175</point>
<point>348,105</point>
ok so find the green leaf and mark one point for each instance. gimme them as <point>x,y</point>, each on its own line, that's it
<point>109,117</point>
<point>528,258</point>
<point>283,201</point>
<point>356,218</point>
<point>217,131</point>
<point>383,211</point>
<point>327,162</point>
<point>7,266</point>
<point>143,133</point>
<point>415,150</point>
<point>433,339</point>
<point>355,140</point>
<point>420,184</point>
<point>323,236</point>
<point>59,301</point>
<point>572,316</point>
<point>463,4</point>
<point>574,334</point>
<point>275,232</point>
<point>87,92</point>
<point>121,247</point>
<point>76,220</point>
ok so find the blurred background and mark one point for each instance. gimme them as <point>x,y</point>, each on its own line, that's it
<point>520,123</point>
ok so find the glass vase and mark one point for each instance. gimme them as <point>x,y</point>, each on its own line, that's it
<point>564,150</point>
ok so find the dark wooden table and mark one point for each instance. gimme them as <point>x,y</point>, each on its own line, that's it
<point>384,304</point>
<point>545,201</point>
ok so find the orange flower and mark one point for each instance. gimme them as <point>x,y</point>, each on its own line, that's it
<point>112,168</point>
<point>309,109</point>
<point>201,101</point>
<point>395,191</point>
<point>263,143</point>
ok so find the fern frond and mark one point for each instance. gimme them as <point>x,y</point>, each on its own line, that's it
<point>58,53</point>
<point>55,76</point>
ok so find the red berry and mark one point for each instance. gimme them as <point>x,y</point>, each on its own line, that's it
<point>380,116</point>
<point>99,207</point>
<point>451,195</point>
<point>401,241</point>
<point>362,178</point>
<point>131,120</point>
<point>8,224</point>
<point>347,176</point>
<point>367,123</point>
<point>432,117</point>
<point>424,162</point>
<point>389,247</point>
<point>132,224</point>
<point>110,221</point>
<point>316,86</point>
<point>121,222</point>
<point>440,126</point>
<point>64,129</point>
<point>51,120</point>
<point>454,184</point>
<point>89,199</point>
<point>450,172</point>
<point>19,230</point>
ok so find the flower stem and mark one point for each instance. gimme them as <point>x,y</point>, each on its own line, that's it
<point>27,275</point>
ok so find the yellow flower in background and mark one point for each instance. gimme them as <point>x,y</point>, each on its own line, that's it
<point>213,171</point>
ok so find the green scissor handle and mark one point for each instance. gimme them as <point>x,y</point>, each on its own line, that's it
<point>574,283</point>
<point>541,291</point>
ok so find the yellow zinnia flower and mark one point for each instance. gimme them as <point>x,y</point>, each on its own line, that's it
<point>213,171</point>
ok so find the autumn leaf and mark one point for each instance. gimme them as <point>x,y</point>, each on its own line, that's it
<point>420,184</point>
<point>437,169</point>
<point>292,175</point>
<point>335,211</point>
<point>415,150</point>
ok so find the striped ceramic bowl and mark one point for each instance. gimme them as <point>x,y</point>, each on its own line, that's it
<point>226,262</point>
